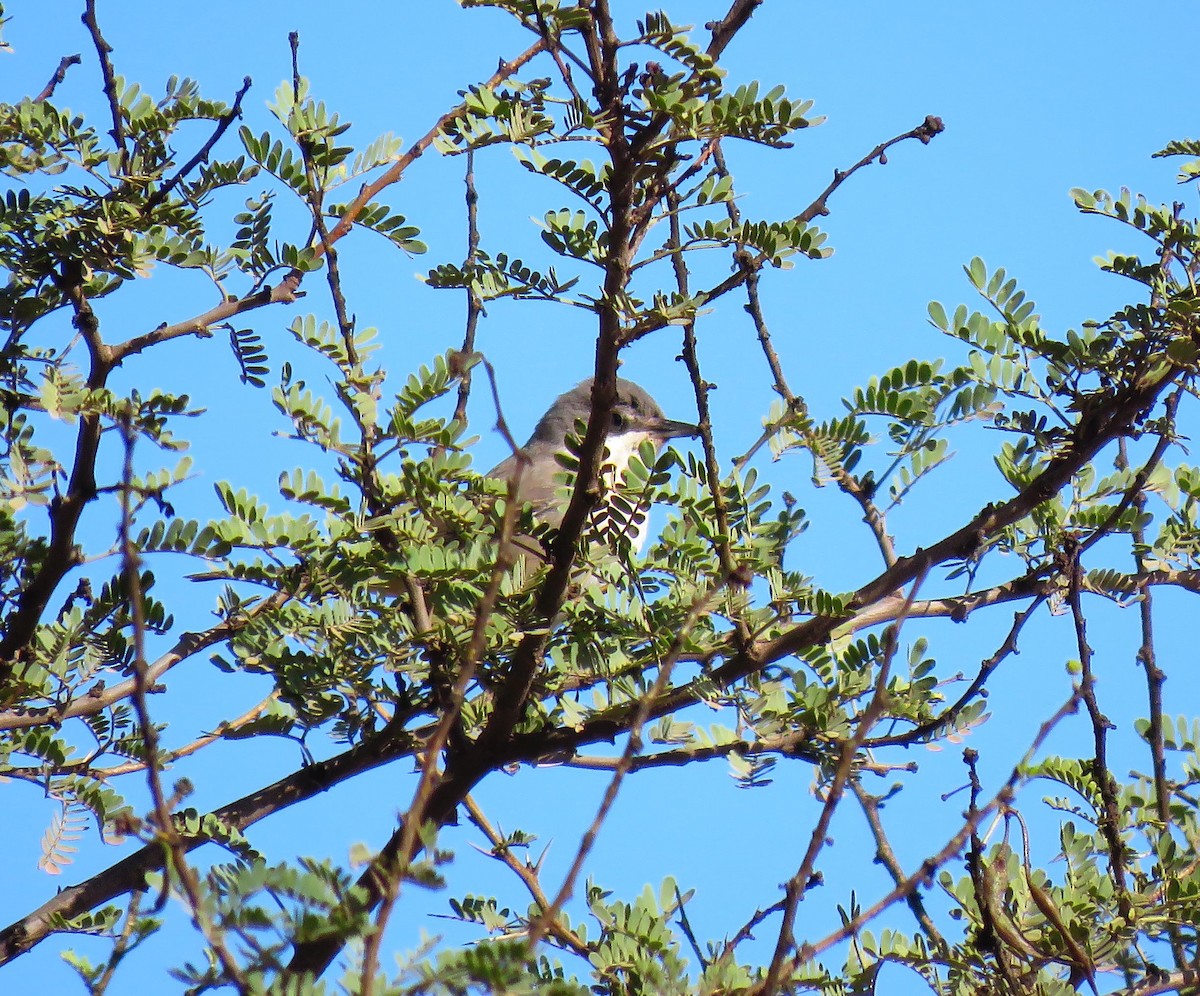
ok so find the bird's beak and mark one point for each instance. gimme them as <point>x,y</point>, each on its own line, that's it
<point>665,428</point>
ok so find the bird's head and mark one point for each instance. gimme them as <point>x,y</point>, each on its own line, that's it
<point>635,418</point>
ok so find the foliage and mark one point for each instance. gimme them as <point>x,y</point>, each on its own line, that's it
<point>374,595</point>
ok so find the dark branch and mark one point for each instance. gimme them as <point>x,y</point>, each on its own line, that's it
<point>103,51</point>
<point>65,509</point>
<point>60,74</point>
<point>130,873</point>
<point>205,150</point>
<point>924,133</point>
<point>734,20</point>
<point>474,301</point>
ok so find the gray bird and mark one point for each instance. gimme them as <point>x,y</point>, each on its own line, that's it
<point>636,418</point>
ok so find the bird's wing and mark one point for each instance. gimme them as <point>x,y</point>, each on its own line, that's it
<point>537,483</point>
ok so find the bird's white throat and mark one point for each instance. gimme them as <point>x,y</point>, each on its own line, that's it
<point>620,449</point>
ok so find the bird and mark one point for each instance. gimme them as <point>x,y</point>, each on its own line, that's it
<point>635,418</point>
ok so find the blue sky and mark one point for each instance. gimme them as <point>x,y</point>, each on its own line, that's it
<point>1036,98</point>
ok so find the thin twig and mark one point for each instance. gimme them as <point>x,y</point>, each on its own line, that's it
<point>1082,965</point>
<point>121,946</point>
<point>527,873</point>
<point>417,149</point>
<point>886,856</point>
<point>946,718</point>
<point>700,388</point>
<point>103,51</point>
<point>86,765</point>
<point>797,885</point>
<point>202,154</point>
<point>924,132</point>
<point>1155,676</point>
<point>754,304</point>
<point>98,699</point>
<point>316,207</point>
<point>746,931</point>
<point>1110,815</point>
<point>539,925</point>
<point>795,406</point>
<point>169,756</point>
<point>60,74</point>
<point>1003,940</point>
<point>165,831</point>
<point>557,49</point>
<point>794,744</point>
<point>474,301</point>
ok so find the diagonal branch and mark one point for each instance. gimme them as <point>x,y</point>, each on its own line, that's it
<point>287,290</point>
<point>528,874</point>
<point>129,874</point>
<point>60,74</point>
<point>734,20</point>
<point>99,699</point>
<point>1104,420</point>
<point>924,133</point>
<point>418,148</point>
<point>201,156</point>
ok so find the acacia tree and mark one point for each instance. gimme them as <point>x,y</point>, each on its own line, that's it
<point>375,592</point>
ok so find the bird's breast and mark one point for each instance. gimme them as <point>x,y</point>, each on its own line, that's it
<point>620,449</point>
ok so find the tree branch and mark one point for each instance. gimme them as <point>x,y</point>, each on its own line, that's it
<point>1110,814</point>
<point>287,289</point>
<point>734,20</point>
<point>60,74</point>
<point>204,151</point>
<point>851,925</point>
<point>103,51</point>
<point>129,874</point>
<point>65,509</point>
<point>100,698</point>
<point>528,874</point>
<point>924,133</point>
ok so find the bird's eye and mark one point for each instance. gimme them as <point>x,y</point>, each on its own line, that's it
<point>618,420</point>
